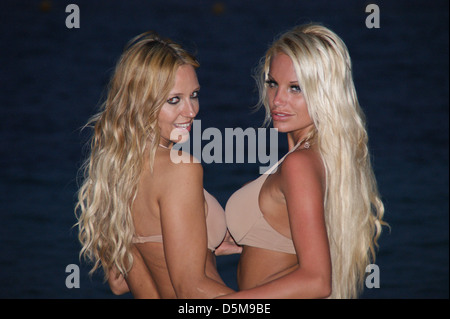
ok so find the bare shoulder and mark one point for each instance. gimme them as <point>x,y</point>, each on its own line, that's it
<point>302,166</point>
<point>179,174</point>
<point>300,161</point>
<point>185,164</point>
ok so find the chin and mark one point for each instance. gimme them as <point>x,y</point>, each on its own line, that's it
<point>281,128</point>
<point>179,137</point>
<point>183,139</point>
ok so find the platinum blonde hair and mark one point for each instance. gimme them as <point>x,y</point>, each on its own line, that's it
<point>125,134</point>
<point>353,208</point>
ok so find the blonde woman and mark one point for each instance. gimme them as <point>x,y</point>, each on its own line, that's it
<point>310,226</point>
<point>142,217</point>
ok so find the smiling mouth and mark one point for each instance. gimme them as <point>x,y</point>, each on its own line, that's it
<point>184,126</point>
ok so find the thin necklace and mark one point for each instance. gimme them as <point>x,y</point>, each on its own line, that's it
<point>163,146</point>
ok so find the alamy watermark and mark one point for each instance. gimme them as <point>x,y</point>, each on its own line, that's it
<point>230,148</point>
<point>73,279</point>
<point>73,19</point>
<point>372,279</point>
<point>373,19</point>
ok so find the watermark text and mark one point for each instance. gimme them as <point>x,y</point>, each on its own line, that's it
<point>231,148</point>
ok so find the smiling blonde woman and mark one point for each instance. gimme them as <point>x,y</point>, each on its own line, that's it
<point>138,211</point>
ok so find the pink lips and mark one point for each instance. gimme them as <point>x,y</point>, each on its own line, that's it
<point>280,116</point>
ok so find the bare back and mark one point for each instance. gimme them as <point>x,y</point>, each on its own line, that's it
<point>155,190</point>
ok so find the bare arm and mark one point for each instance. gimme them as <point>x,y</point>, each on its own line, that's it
<point>139,279</point>
<point>303,190</point>
<point>228,246</point>
<point>117,282</point>
<point>183,221</point>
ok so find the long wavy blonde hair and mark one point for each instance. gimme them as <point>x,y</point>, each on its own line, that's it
<point>353,208</point>
<point>126,132</point>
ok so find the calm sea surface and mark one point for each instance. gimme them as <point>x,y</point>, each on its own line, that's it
<point>52,79</point>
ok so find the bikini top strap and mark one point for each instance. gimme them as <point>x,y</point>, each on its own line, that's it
<point>274,168</point>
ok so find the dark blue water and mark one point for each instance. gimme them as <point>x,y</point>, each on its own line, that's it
<point>52,78</point>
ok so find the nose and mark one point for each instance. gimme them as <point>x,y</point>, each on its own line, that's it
<point>190,109</point>
<point>279,99</point>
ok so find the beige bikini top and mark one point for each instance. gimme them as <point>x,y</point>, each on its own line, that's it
<point>246,222</point>
<point>215,223</point>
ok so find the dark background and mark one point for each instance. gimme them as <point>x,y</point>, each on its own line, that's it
<point>52,79</point>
